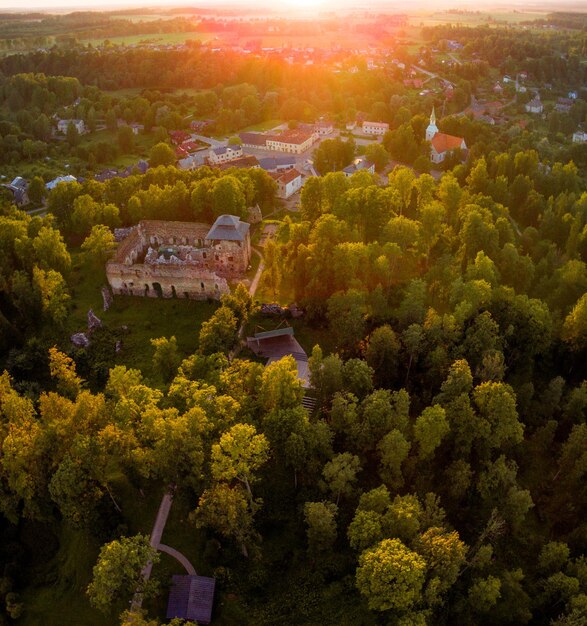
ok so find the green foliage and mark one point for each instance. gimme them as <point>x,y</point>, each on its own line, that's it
<point>390,576</point>
<point>118,572</point>
<point>320,518</point>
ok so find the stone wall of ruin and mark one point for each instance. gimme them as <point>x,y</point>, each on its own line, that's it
<point>215,262</point>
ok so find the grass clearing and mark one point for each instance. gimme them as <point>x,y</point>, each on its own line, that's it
<point>146,318</point>
<point>261,126</point>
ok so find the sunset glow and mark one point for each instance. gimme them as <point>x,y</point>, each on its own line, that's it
<point>293,312</point>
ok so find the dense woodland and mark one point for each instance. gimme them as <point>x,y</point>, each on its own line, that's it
<point>441,478</point>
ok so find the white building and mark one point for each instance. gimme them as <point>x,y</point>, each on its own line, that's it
<point>375,128</point>
<point>580,137</point>
<point>63,125</point>
<point>288,183</point>
<point>60,179</point>
<point>324,128</point>
<point>224,154</point>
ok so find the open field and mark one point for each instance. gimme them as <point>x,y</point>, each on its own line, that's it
<point>153,39</point>
<point>474,18</point>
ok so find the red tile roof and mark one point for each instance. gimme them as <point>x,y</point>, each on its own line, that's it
<point>288,176</point>
<point>442,142</point>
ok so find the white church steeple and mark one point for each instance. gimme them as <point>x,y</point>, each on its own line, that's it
<point>432,128</point>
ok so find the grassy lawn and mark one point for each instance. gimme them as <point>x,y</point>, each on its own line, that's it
<point>261,126</point>
<point>142,145</point>
<point>146,318</point>
<point>62,600</point>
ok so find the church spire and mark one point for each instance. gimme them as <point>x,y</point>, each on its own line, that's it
<point>432,128</point>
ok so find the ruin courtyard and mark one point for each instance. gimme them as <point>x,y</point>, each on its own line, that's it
<point>180,259</point>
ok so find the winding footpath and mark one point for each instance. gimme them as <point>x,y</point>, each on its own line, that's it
<point>155,542</point>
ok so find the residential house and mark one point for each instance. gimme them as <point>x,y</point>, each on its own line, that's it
<point>572,95</point>
<point>441,144</point>
<point>375,128</point>
<point>179,136</point>
<point>60,179</point>
<point>535,105</point>
<point>563,105</point>
<point>497,88</point>
<point>19,188</point>
<point>63,125</point>
<point>580,137</point>
<point>324,128</point>
<point>224,154</point>
<point>288,182</point>
<point>359,165</point>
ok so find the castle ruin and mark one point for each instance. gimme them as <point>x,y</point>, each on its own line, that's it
<point>180,259</point>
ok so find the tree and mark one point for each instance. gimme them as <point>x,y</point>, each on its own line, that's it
<point>574,331</point>
<point>161,154</point>
<point>166,357</point>
<point>280,386</point>
<point>99,245</point>
<point>484,593</point>
<point>72,135</point>
<point>62,368</point>
<point>340,474</point>
<point>228,196</point>
<point>75,492</point>
<point>390,576</point>
<point>51,251</point>
<point>346,317</point>
<point>125,139</point>
<point>378,155</point>
<point>382,354</point>
<point>36,190</point>
<point>271,277</point>
<point>51,291</point>
<point>320,518</point>
<point>239,454</point>
<point>365,530</point>
<point>226,510</point>
<point>430,428</point>
<point>218,334</point>
<point>119,572</point>
<point>444,553</point>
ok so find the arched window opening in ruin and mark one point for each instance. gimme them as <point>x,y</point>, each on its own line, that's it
<point>173,292</point>
<point>158,290</point>
<point>202,286</point>
<point>186,294</point>
<point>146,289</point>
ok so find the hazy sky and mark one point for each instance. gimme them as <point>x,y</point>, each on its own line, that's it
<point>406,5</point>
<point>395,5</point>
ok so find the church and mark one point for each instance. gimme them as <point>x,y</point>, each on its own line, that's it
<point>441,143</point>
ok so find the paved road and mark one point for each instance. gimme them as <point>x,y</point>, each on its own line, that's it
<point>214,143</point>
<point>431,74</point>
